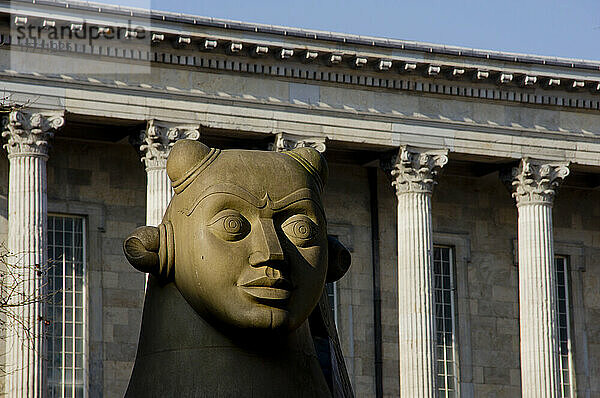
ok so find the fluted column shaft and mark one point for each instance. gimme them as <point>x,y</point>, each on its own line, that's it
<point>537,287</point>
<point>415,296</point>
<point>28,135</point>
<point>158,194</point>
<point>155,143</point>
<point>534,185</point>
<point>414,173</point>
<point>27,232</point>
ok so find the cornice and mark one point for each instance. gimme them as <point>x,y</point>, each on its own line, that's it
<point>184,22</point>
<point>388,57</point>
<point>440,84</point>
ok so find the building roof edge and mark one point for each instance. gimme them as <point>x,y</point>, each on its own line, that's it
<point>321,35</point>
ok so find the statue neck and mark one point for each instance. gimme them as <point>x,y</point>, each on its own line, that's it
<point>181,354</point>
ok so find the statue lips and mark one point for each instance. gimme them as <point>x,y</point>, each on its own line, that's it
<point>267,288</point>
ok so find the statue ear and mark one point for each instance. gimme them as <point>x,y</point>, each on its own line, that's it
<point>141,249</point>
<point>313,161</point>
<point>184,155</point>
<point>339,259</point>
<point>151,250</point>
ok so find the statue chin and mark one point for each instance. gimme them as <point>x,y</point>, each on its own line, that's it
<point>262,319</point>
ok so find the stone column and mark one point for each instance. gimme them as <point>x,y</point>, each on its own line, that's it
<point>28,135</point>
<point>414,173</point>
<point>533,184</point>
<point>155,144</point>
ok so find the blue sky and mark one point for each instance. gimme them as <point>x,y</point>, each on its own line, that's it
<point>566,28</point>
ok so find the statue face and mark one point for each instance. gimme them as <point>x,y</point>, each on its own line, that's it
<point>251,241</point>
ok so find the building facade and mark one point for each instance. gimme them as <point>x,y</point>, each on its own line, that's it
<point>464,182</point>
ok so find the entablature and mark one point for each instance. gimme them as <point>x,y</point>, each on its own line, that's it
<point>375,129</point>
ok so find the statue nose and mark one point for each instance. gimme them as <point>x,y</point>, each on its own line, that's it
<point>267,243</point>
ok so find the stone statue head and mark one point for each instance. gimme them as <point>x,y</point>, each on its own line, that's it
<point>244,238</point>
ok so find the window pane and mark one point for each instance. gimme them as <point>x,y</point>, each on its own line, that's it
<point>444,322</point>
<point>331,289</point>
<point>66,273</point>
<point>562,295</point>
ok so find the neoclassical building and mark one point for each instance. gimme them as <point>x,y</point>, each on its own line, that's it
<point>464,182</point>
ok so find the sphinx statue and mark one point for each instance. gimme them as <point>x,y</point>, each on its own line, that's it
<point>235,303</point>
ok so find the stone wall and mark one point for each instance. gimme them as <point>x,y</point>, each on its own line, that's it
<point>348,216</point>
<point>388,246</point>
<point>482,211</point>
<point>106,183</point>
<point>577,234</point>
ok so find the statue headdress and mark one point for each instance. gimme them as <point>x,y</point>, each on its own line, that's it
<point>188,159</point>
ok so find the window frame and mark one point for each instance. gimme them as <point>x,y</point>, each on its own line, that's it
<point>577,254</point>
<point>569,314</point>
<point>85,299</point>
<point>334,302</point>
<point>345,234</point>
<point>453,319</point>
<point>95,215</point>
<point>460,243</point>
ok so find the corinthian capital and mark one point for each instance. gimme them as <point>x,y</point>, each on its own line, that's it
<point>156,140</point>
<point>415,169</point>
<point>286,142</point>
<point>29,132</point>
<point>535,181</point>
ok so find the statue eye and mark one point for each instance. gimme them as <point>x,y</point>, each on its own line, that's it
<point>229,225</point>
<point>301,230</point>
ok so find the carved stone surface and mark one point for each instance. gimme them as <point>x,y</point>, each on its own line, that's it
<point>286,142</point>
<point>414,172</point>
<point>538,321</point>
<point>535,181</point>
<point>341,387</point>
<point>29,132</point>
<point>534,184</point>
<point>156,141</point>
<point>415,169</point>
<point>236,267</point>
<point>154,144</point>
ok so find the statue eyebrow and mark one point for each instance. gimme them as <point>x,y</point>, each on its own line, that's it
<point>236,190</point>
<point>226,188</point>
